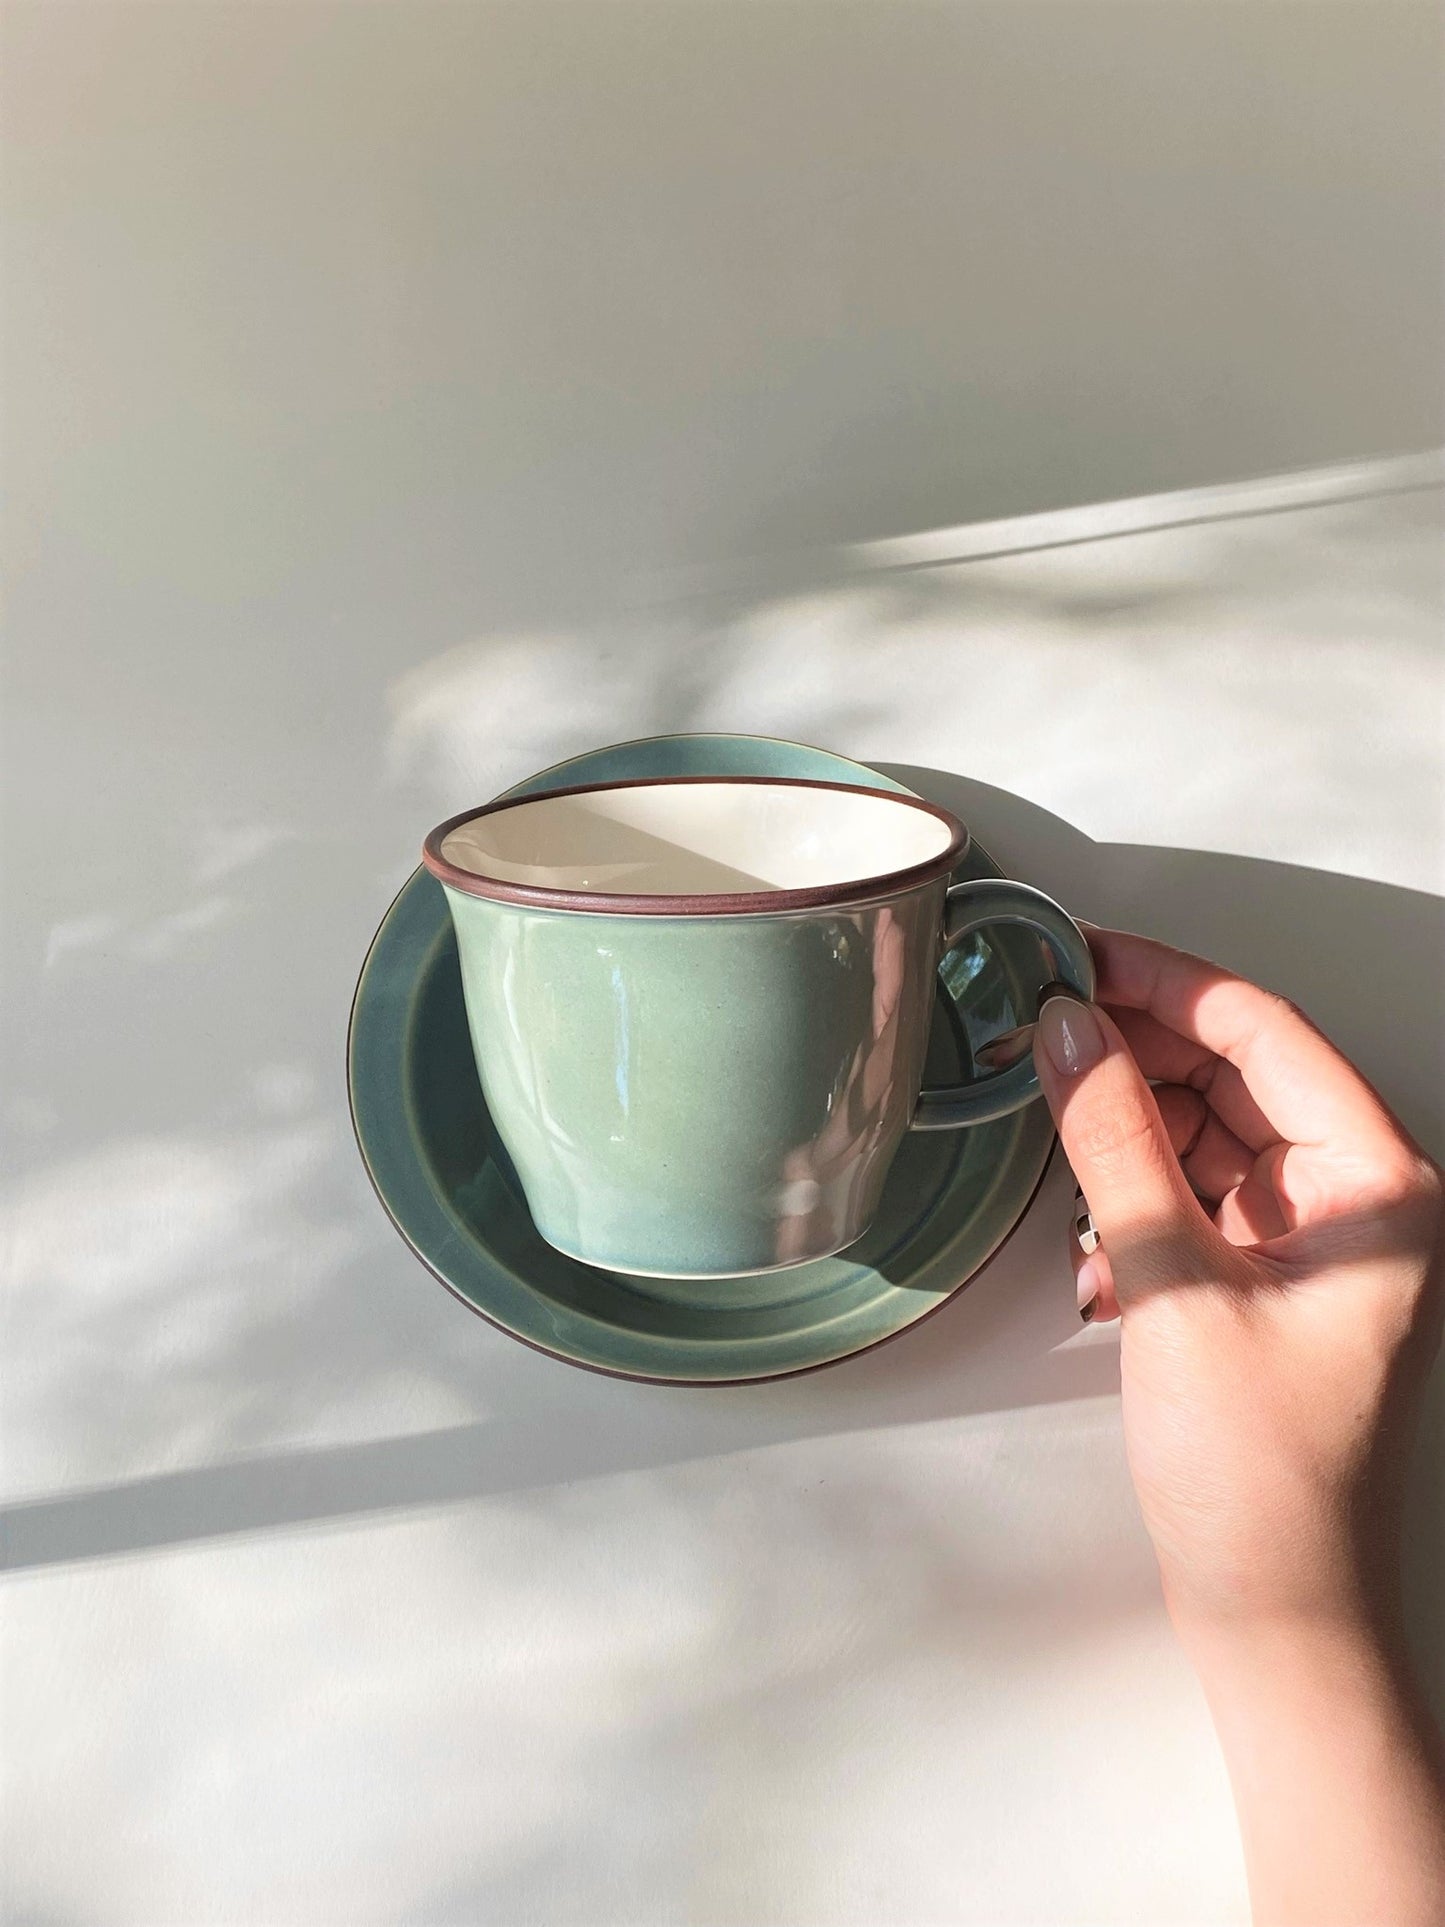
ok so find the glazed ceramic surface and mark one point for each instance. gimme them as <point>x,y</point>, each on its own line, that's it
<point>434,1155</point>
<point>687,1097</point>
<point>699,1008</point>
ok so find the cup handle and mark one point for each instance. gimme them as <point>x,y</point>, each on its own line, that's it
<point>970,906</point>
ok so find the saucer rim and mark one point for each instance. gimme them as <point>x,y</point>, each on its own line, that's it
<point>655,1378</point>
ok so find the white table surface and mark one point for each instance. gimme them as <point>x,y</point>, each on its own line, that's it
<point>339,1606</point>
<point>378,380</point>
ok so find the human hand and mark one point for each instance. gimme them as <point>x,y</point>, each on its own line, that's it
<point>1271,1240</point>
<point>1272,1237</point>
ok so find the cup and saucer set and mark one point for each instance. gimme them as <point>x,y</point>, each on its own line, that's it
<point>671,1061</point>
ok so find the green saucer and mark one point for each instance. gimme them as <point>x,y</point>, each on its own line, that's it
<point>448,1185</point>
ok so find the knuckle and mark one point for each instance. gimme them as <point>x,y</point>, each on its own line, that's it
<point>1286,1011</point>
<point>1415,1179</point>
<point>1185,1113</point>
<point>1396,1172</point>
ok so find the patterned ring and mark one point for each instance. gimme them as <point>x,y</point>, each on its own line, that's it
<point>1084,1228</point>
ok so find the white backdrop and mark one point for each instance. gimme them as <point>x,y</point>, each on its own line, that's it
<point>398,397</point>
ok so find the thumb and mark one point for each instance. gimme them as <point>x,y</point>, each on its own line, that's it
<point>1149,1221</point>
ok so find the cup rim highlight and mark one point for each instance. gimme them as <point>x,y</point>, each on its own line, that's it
<point>777,902</point>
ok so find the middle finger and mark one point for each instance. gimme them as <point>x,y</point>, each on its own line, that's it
<point>1161,1053</point>
<point>1212,1157</point>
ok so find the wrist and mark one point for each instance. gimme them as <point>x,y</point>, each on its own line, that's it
<point>1331,1590</point>
<point>1341,1625</point>
<point>1335,1765</point>
<point>1292,1684</point>
<point>1262,1658</point>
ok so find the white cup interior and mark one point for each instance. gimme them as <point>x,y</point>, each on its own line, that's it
<point>698,839</point>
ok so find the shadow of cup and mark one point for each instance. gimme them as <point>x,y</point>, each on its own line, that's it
<point>1361,957</point>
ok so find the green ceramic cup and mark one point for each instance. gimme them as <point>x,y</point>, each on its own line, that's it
<point>700,1006</point>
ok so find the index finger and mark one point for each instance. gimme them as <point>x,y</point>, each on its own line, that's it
<point>1309,1092</point>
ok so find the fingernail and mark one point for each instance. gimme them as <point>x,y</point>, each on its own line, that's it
<point>1069,1032</point>
<point>1087,1280</point>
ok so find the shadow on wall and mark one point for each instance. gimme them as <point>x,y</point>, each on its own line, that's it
<point>204,1277</point>
<point>434,315</point>
<point>901,1611</point>
<point>737,1644</point>
<point>311,392</point>
<point>1243,673</point>
<point>1343,947</point>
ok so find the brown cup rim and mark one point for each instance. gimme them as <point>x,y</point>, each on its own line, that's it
<point>703,904</point>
